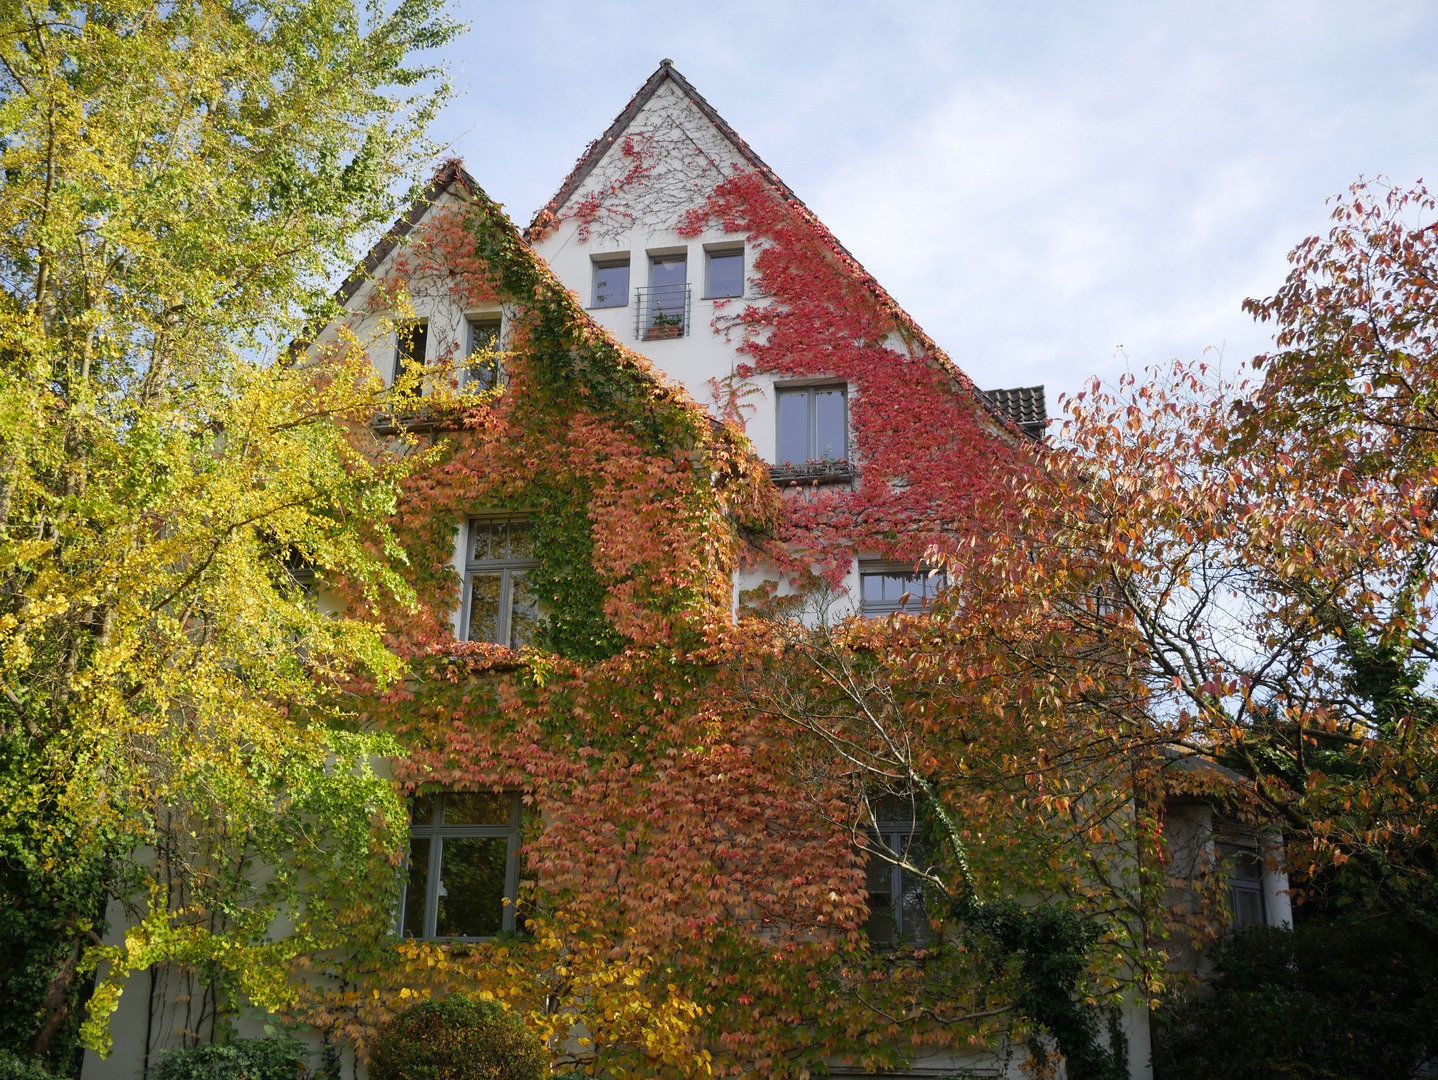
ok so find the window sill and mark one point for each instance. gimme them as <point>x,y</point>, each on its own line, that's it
<point>812,473</point>
<point>606,307</point>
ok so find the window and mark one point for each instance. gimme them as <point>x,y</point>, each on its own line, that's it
<point>463,865</point>
<point>812,425</point>
<point>885,588</point>
<point>499,603</point>
<point>483,371</point>
<point>664,306</point>
<point>611,283</point>
<point>411,345</point>
<point>725,276</point>
<point>896,897</point>
<point>1245,887</point>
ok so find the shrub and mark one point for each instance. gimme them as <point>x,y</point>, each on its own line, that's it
<point>1354,998</point>
<point>243,1059</point>
<point>458,1038</point>
<point>21,1068</point>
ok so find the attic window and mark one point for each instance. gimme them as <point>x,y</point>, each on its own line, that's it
<point>483,370</point>
<point>725,274</point>
<point>611,283</point>
<point>411,345</point>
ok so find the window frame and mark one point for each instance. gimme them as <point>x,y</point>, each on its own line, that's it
<point>436,832</point>
<point>505,568</point>
<point>889,568</point>
<point>812,415</point>
<point>722,253</point>
<point>473,323</point>
<point>610,263</point>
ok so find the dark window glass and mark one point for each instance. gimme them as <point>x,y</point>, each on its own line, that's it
<point>463,865</point>
<point>415,890</point>
<point>1245,887</point>
<point>812,425</point>
<point>484,368</point>
<point>896,896</point>
<point>476,808</point>
<point>411,346</point>
<point>611,284</point>
<point>726,273</point>
<point>421,811</point>
<point>486,591</point>
<point>470,898</point>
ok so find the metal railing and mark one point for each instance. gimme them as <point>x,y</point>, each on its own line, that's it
<point>661,311</point>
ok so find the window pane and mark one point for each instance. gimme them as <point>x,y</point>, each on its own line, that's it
<point>668,270</point>
<point>413,924</point>
<point>521,539</point>
<point>523,611</point>
<point>471,886</point>
<point>873,588</point>
<point>476,808</point>
<point>913,919</point>
<point>488,541</point>
<point>484,607</point>
<point>726,273</point>
<point>611,285</point>
<point>484,355</point>
<point>421,810</point>
<point>794,427</point>
<point>829,425</point>
<point>1246,866</point>
<point>411,345</point>
<point>1247,907</point>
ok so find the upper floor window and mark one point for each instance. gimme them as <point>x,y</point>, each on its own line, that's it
<point>411,346</point>
<point>896,896</point>
<point>812,425</point>
<point>611,283</point>
<point>463,865</point>
<point>483,370</point>
<point>885,588</point>
<point>724,274</point>
<point>499,603</point>
<point>663,310</point>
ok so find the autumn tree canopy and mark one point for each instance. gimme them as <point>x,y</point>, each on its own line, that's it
<point>180,182</point>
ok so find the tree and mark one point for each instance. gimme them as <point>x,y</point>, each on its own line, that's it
<point>179,180</point>
<point>1263,557</point>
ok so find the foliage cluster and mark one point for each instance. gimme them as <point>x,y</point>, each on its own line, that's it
<point>1354,998</point>
<point>180,180</point>
<point>459,1038</point>
<point>241,1059</point>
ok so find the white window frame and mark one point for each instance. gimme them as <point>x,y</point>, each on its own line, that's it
<point>436,832</point>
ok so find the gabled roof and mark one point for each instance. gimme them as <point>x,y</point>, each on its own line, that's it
<point>666,71</point>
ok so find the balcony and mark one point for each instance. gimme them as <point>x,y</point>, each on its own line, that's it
<point>812,473</point>
<point>661,311</point>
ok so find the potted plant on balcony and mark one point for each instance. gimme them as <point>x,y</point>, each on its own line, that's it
<point>666,325</point>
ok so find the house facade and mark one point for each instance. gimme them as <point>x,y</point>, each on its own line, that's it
<point>674,402</point>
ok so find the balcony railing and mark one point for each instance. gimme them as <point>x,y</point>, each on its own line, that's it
<point>808,473</point>
<point>661,311</point>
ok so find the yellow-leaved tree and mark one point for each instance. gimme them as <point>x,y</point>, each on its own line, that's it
<point>177,182</point>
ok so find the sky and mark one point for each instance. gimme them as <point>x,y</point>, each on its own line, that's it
<point>1054,191</point>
